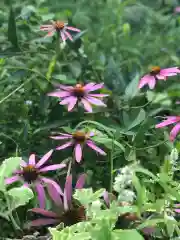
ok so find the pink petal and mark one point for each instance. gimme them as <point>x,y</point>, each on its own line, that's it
<point>81,181</point>
<point>68,100</point>
<point>78,152</point>
<point>95,101</point>
<point>41,194</point>
<point>170,70</point>
<point>64,87</point>
<point>174,132</point>
<point>32,159</point>
<point>66,145</point>
<point>44,158</point>
<point>106,198</point>
<point>54,194</point>
<point>91,134</point>
<point>147,79</point>
<point>169,74</point>
<point>42,222</point>
<point>23,163</point>
<point>44,212</point>
<point>94,147</point>
<point>177,210</point>
<point>98,95</point>
<point>50,34</point>
<point>88,86</point>
<point>68,192</point>
<point>168,121</point>
<point>73,29</point>
<point>96,86</point>
<point>87,105</point>
<point>53,183</point>
<point>46,28</point>
<point>68,35</point>
<point>72,104</point>
<point>60,94</point>
<point>26,185</point>
<point>63,36</point>
<point>52,167</point>
<point>161,77</point>
<point>61,137</point>
<point>12,179</point>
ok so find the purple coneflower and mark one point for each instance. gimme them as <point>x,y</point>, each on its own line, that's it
<point>157,73</point>
<point>78,139</point>
<point>171,120</point>
<point>71,95</point>
<point>66,211</point>
<point>61,27</point>
<point>30,174</point>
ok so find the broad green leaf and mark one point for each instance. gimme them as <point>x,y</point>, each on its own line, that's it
<point>127,234</point>
<point>132,88</point>
<point>12,35</point>
<point>20,196</point>
<point>108,142</point>
<point>75,68</point>
<point>139,118</point>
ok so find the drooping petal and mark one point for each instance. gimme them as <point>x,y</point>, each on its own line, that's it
<point>64,87</point>
<point>168,121</point>
<point>41,194</point>
<point>66,145</point>
<point>54,195</point>
<point>170,70</point>
<point>88,86</point>
<point>147,79</point>
<point>78,152</point>
<point>81,181</point>
<point>53,183</point>
<point>50,34</point>
<point>98,95</point>
<point>169,74</point>
<point>96,86</point>
<point>73,29</point>
<point>68,192</point>
<point>106,198</point>
<point>12,179</point>
<point>66,33</point>
<point>52,167</point>
<point>63,36</point>
<point>46,28</point>
<point>68,100</point>
<point>60,94</point>
<point>177,210</point>
<point>95,101</point>
<point>44,212</point>
<point>94,147</point>
<point>72,104</point>
<point>23,163</point>
<point>61,137</point>
<point>32,160</point>
<point>87,105</point>
<point>161,77</point>
<point>44,158</point>
<point>42,222</point>
<point>174,132</point>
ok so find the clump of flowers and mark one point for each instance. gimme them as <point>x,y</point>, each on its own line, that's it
<point>66,212</point>
<point>171,120</point>
<point>78,140</point>
<point>60,27</point>
<point>31,174</point>
<point>72,95</point>
<point>157,73</point>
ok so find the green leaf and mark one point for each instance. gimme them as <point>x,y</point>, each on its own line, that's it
<point>20,196</point>
<point>12,35</point>
<point>127,234</point>
<point>8,166</point>
<point>139,118</point>
<point>132,88</point>
<point>75,68</point>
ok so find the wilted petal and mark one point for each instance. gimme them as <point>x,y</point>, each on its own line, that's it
<point>81,181</point>
<point>52,167</point>
<point>73,29</point>
<point>68,192</point>
<point>12,179</point>
<point>68,35</point>
<point>60,94</point>
<point>87,105</point>
<point>42,222</point>
<point>94,147</point>
<point>44,159</point>
<point>96,86</point>
<point>41,194</point>
<point>174,132</point>
<point>32,159</point>
<point>53,183</point>
<point>46,28</point>
<point>44,212</point>
<point>55,196</point>
<point>66,145</point>
<point>78,152</point>
<point>95,101</point>
<point>168,121</point>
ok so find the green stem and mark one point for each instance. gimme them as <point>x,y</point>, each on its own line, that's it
<point>111,167</point>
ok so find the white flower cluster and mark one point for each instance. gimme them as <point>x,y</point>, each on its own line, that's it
<point>122,182</point>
